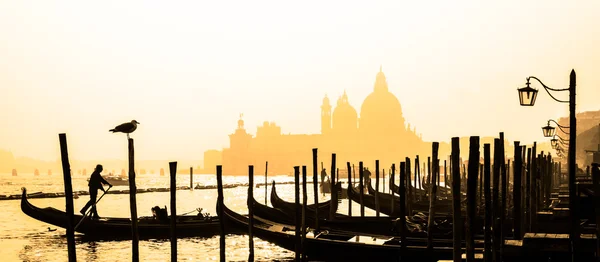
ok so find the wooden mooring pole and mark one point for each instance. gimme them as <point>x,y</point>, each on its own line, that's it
<point>456,214</point>
<point>487,234</point>
<point>298,240</point>
<point>332,207</point>
<point>66,166</point>
<point>303,228</point>
<point>402,194</point>
<point>266,182</point>
<point>409,187</point>
<point>517,166</point>
<point>135,251</point>
<point>504,196</point>
<point>173,192</point>
<point>596,182</point>
<point>251,212</point>
<point>393,173</point>
<point>316,186</point>
<point>361,188</point>
<point>222,253</point>
<point>496,200</point>
<point>472,196</point>
<point>432,192</point>
<point>191,178</point>
<point>376,188</point>
<point>348,188</point>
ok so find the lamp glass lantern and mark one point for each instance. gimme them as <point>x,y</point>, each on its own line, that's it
<point>554,143</point>
<point>527,95</point>
<point>548,131</point>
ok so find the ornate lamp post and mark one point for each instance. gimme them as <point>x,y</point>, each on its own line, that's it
<point>527,96</point>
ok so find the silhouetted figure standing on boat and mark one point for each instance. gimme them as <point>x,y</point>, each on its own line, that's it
<point>95,183</point>
<point>323,175</point>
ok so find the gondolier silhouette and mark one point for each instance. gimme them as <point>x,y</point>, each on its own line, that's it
<point>95,183</point>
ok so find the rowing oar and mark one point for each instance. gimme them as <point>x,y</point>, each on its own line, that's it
<point>89,210</point>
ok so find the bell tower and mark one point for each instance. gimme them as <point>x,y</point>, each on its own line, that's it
<point>326,116</point>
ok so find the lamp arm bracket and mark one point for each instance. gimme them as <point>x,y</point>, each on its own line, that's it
<point>548,89</point>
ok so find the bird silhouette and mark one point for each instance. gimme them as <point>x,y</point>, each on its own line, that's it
<point>126,128</point>
<point>51,230</point>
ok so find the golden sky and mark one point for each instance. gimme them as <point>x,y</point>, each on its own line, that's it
<point>185,70</point>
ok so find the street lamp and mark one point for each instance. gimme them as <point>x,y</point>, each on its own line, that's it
<point>554,143</point>
<point>549,130</point>
<point>527,96</point>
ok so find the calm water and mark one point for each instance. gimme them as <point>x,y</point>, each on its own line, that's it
<point>23,238</point>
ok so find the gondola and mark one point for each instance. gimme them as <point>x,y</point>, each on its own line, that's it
<point>337,246</point>
<point>443,206</point>
<point>369,225</point>
<point>324,208</point>
<point>120,228</point>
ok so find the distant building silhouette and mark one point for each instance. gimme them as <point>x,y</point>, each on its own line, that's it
<point>380,133</point>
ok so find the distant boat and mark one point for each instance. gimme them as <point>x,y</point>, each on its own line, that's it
<point>115,180</point>
<point>162,171</point>
<point>14,172</point>
<point>123,174</point>
<point>84,172</point>
<point>36,172</point>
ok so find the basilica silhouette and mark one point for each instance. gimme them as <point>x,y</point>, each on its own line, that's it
<point>380,132</point>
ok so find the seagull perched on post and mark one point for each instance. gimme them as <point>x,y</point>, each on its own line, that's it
<point>126,127</point>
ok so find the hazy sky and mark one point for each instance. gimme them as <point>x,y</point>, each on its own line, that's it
<point>185,70</point>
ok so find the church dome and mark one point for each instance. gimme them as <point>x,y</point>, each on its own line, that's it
<point>344,115</point>
<point>381,112</point>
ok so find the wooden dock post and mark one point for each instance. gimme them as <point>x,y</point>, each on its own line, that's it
<point>429,180</point>
<point>445,174</point>
<point>596,182</point>
<point>376,188</point>
<point>220,213</point>
<point>361,188</point>
<point>383,179</point>
<point>267,183</point>
<point>472,196</point>
<point>456,214</point>
<point>432,192</point>
<point>408,186</point>
<point>533,198</point>
<point>135,251</point>
<point>297,219</point>
<point>402,194</point>
<point>503,192</point>
<point>517,191</point>
<point>393,173</point>
<point>251,212</point>
<point>66,166</point>
<point>334,195</point>
<point>303,226</point>
<point>496,200</point>
<point>418,178</point>
<point>316,186</point>
<point>173,193</point>
<point>349,184</point>
<point>528,192</point>
<point>191,178</point>
<point>487,237</point>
